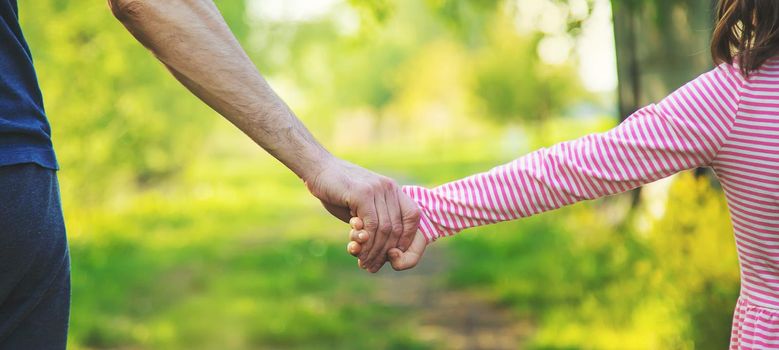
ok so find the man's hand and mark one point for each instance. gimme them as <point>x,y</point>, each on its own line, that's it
<point>398,259</point>
<point>391,218</point>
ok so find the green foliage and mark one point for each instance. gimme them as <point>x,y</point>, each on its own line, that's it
<point>468,19</point>
<point>419,64</point>
<point>381,10</point>
<point>531,91</point>
<point>118,118</point>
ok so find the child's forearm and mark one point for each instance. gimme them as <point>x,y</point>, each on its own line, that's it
<point>524,187</point>
<point>541,181</point>
<point>684,131</point>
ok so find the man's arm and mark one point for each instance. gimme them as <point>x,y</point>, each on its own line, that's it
<point>192,40</point>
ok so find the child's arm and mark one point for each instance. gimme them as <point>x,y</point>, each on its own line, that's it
<point>684,131</point>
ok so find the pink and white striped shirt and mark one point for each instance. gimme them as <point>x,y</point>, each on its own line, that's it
<point>719,120</point>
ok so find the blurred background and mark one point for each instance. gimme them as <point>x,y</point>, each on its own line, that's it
<point>185,235</point>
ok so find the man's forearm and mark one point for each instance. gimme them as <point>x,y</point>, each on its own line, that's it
<point>191,38</point>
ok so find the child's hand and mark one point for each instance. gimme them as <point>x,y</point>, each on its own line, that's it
<point>398,259</point>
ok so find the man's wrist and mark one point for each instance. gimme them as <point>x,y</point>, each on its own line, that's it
<point>316,162</point>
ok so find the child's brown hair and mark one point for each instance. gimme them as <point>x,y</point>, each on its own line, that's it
<point>746,31</point>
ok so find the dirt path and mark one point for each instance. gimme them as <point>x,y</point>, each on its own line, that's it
<point>453,319</point>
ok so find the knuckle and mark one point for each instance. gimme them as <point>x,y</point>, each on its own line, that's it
<point>397,229</point>
<point>370,224</point>
<point>385,228</point>
<point>363,190</point>
<point>387,183</point>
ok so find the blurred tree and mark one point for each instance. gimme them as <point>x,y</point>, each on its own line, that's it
<point>377,9</point>
<point>515,85</point>
<point>468,19</point>
<point>661,45</point>
<point>506,80</point>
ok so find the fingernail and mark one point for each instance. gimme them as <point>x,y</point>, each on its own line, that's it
<point>362,236</point>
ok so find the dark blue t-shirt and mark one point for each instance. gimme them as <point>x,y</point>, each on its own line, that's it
<point>25,135</point>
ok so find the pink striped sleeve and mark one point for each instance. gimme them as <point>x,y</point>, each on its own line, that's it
<point>684,131</point>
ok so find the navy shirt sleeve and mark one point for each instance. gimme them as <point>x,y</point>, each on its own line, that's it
<point>25,134</point>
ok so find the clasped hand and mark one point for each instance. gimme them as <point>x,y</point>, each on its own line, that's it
<point>388,217</point>
<point>400,260</point>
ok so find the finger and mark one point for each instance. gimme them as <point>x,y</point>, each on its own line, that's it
<point>366,211</point>
<point>395,214</point>
<point>376,268</point>
<point>360,265</point>
<point>411,213</point>
<point>377,263</point>
<point>401,261</point>
<point>358,236</point>
<point>410,258</point>
<point>393,208</point>
<point>356,223</point>
<point>377,252</point>
<point>353,248</point>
